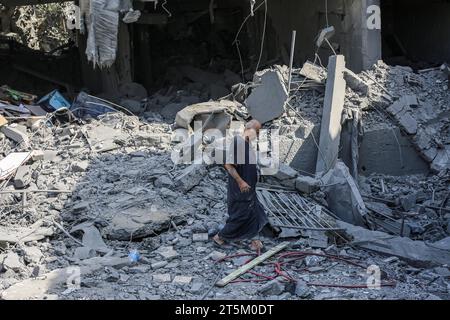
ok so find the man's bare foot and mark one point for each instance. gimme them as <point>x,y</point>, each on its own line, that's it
<point>219,241</point>
<point>256,245</point>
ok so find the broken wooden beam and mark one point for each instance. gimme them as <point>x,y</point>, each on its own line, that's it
<point>236,274</point>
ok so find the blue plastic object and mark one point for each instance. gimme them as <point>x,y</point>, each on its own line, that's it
<point>134,256</point>
<point>54,100</point>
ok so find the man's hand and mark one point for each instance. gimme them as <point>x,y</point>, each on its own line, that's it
<point>244,187</point>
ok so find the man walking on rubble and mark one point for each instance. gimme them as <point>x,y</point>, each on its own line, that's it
<point>246,216</point>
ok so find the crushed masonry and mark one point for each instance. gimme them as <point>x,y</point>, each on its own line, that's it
<point>106,186</point>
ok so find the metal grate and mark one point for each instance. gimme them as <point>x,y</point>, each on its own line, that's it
<point>288,209</point>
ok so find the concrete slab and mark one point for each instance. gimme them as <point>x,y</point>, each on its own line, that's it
<point>267,101</point>
<point>332,113</point>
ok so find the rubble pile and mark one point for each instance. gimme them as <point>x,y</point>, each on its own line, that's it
<point>102,192</point>
<point>419,103</point>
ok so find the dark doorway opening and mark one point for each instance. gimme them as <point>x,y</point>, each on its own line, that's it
<point>415,32</point>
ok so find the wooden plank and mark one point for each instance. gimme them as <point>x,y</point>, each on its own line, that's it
<point>251,264</point>
<point>3,120</point>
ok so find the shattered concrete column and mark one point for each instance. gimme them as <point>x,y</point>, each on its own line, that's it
<point>330,131</point>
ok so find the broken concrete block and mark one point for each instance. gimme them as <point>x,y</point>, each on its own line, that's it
<point>37,155</point>
<point>330,130</point>
<point>402,105</point>
<point>16,234</point>
<point>137,223</point>
<point>396,107</point>
<point>22,178</point>
<point>161,277</point>
<point>349,208</point>
<point>355,82</point>
<point>416,253</point>
<point>80,166</point>
<point>168,253</point>
<point>163,182</point>
<point>442,160</point>
<point>314,72</point>
<point>408,201</point>
<point>17,133</point>
<point>32,254</point>
<point>289,183</point>
<point>307,184</point>
<point>272,288</point>
<point>159,265</point>
<point>285,172</point>
<point>268,99</point>
<point>91,237</point>
<point>182,280</point>
<point>410,100</point>
<point>190,177</point>
<point>302,290</point>
<point>200,237</point>
<point>216,255</point>
<point>12,262</point>
<point>317,239</point>
<point>408,123</point>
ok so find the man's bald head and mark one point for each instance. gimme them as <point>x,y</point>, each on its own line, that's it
<point>252,129</point>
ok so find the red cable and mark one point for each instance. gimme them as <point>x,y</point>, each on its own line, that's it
<point>297,255</point>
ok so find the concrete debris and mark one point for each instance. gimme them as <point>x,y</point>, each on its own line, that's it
<point>17,234</point>
<point>83,253</point>
<point>182,280</point>
<point>161,277</point>
<point>12,262</point>
<point>272,288</point>
<point>22,178</point>
<point>17,133</point>
<point>307,185</point>
<point>417,253</point>
<point>32,255</point>
<point>91,237</point>
<point>355,82</point>
<point>268,98</point>
<point>135,217</point>
<point>285,172</point>
<point>313,72</point>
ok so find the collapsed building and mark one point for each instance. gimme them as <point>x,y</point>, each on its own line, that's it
<point>362,113</point>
